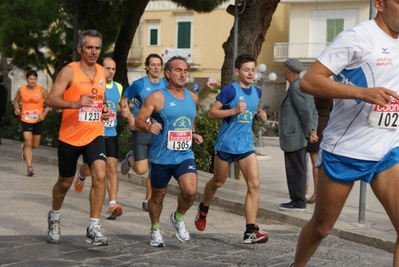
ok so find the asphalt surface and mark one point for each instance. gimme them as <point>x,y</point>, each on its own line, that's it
<point>27,200</point>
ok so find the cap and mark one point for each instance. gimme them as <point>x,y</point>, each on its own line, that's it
<point>294,65</point>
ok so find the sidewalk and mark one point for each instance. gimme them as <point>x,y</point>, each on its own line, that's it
<point>377,230</point>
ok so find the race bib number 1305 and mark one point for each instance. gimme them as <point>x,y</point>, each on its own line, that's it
<point>179,140</point>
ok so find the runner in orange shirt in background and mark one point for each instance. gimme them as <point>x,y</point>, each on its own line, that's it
<point>32,97</point>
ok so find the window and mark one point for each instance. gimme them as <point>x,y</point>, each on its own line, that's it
<point>334,27</point>
<point>153,35</point>
<point>184,34</point>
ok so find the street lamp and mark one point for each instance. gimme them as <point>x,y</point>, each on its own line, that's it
<point>190,80</point>
<point>90,7</point>
<point>260,70</point>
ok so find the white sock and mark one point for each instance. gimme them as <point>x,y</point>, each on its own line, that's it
<point>55,215</point>
<point>93,221</point>
<point>112,202</point>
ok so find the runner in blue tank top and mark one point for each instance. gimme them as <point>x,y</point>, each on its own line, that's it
<point>236,105</point>
<point>173,111</point>
<point>137,157</point>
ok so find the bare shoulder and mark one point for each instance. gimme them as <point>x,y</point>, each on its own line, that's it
<point>156,99</point>
<point>194,96</point>
<point>64,78</point>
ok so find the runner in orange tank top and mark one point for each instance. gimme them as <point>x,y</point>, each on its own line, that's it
<point>32,97</point>
<point>79,90</point>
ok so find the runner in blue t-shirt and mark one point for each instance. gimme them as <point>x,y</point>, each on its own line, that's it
<point>236,105</point>
<point>138,91</point>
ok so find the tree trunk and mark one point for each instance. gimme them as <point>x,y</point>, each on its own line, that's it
<point>252,27</point>
<point>131,21</point>
<point>4,72</point>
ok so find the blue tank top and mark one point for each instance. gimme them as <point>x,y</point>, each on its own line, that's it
<point>235,134</point>
<point>141,89</point>
<point>172,145</point>
<point>112,95</point>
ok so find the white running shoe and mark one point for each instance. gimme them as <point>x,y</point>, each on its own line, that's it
<point>181,232</point>
<point>94,235</point>
<point>156,239</point>
<point>53,230</point>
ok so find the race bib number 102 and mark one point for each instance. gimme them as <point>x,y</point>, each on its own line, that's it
<point>385,117</point>
<point>179,140</point>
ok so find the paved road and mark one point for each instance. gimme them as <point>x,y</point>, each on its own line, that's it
<point>26,201</point>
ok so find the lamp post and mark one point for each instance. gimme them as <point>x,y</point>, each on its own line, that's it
<point>90,7</point>
<point>259,80</point>
<point>190,80</point>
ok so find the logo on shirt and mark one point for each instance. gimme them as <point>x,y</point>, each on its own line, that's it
<point>148,89</point>
<point>245,117</point>
<point>241,98</point>
<point>172,104</point>
<point>385,51</point>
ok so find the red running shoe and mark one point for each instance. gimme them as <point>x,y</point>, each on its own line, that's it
<point>200,220</point>
<point>255,237</point>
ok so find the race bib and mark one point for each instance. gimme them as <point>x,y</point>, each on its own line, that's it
<point>111,121</point>
<point>92,113</point>
<point>179,140</point>
<point>386,116</point>
<point>31,115</point>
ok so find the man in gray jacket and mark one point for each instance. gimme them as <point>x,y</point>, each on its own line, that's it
<point>297,126</point>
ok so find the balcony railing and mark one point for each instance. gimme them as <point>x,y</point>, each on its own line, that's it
<point>192,55</point>
<point>306,52</point>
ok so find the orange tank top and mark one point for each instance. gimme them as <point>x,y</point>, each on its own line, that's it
<point>81,126</point>
<point>32,104</point>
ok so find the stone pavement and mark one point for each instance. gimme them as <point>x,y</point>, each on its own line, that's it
<point>376,232</point>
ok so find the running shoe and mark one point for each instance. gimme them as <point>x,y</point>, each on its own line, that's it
<point>53,230</point>
<point>125,166</point>
<point>145,205</point>
<point>156,239</point>
<point>181,232</point>
<point>114,211</point>
<point>30,171</point>
<point>255,237</point>
<point>94,235</point>
<point>200,220</point>
<point>78,184</point>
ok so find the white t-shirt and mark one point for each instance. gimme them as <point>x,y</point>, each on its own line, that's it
<point>364,56</point>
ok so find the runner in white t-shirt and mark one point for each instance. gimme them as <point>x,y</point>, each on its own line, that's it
<point>361,141</point>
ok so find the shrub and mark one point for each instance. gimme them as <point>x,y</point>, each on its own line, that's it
<point>204,153</point>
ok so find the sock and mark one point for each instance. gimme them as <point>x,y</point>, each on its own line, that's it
<point>178,216</point>
<point>203,208</point>
<point>93,221</point>
<point>81,178</point>
<point>112,202</point>
<point>155,226</point>
<point>250,227</point>
<point>55,215</point>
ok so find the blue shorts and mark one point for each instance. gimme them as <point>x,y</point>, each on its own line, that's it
<point>230,158</point>
<point>347,170</point>
<point>161,174</point>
